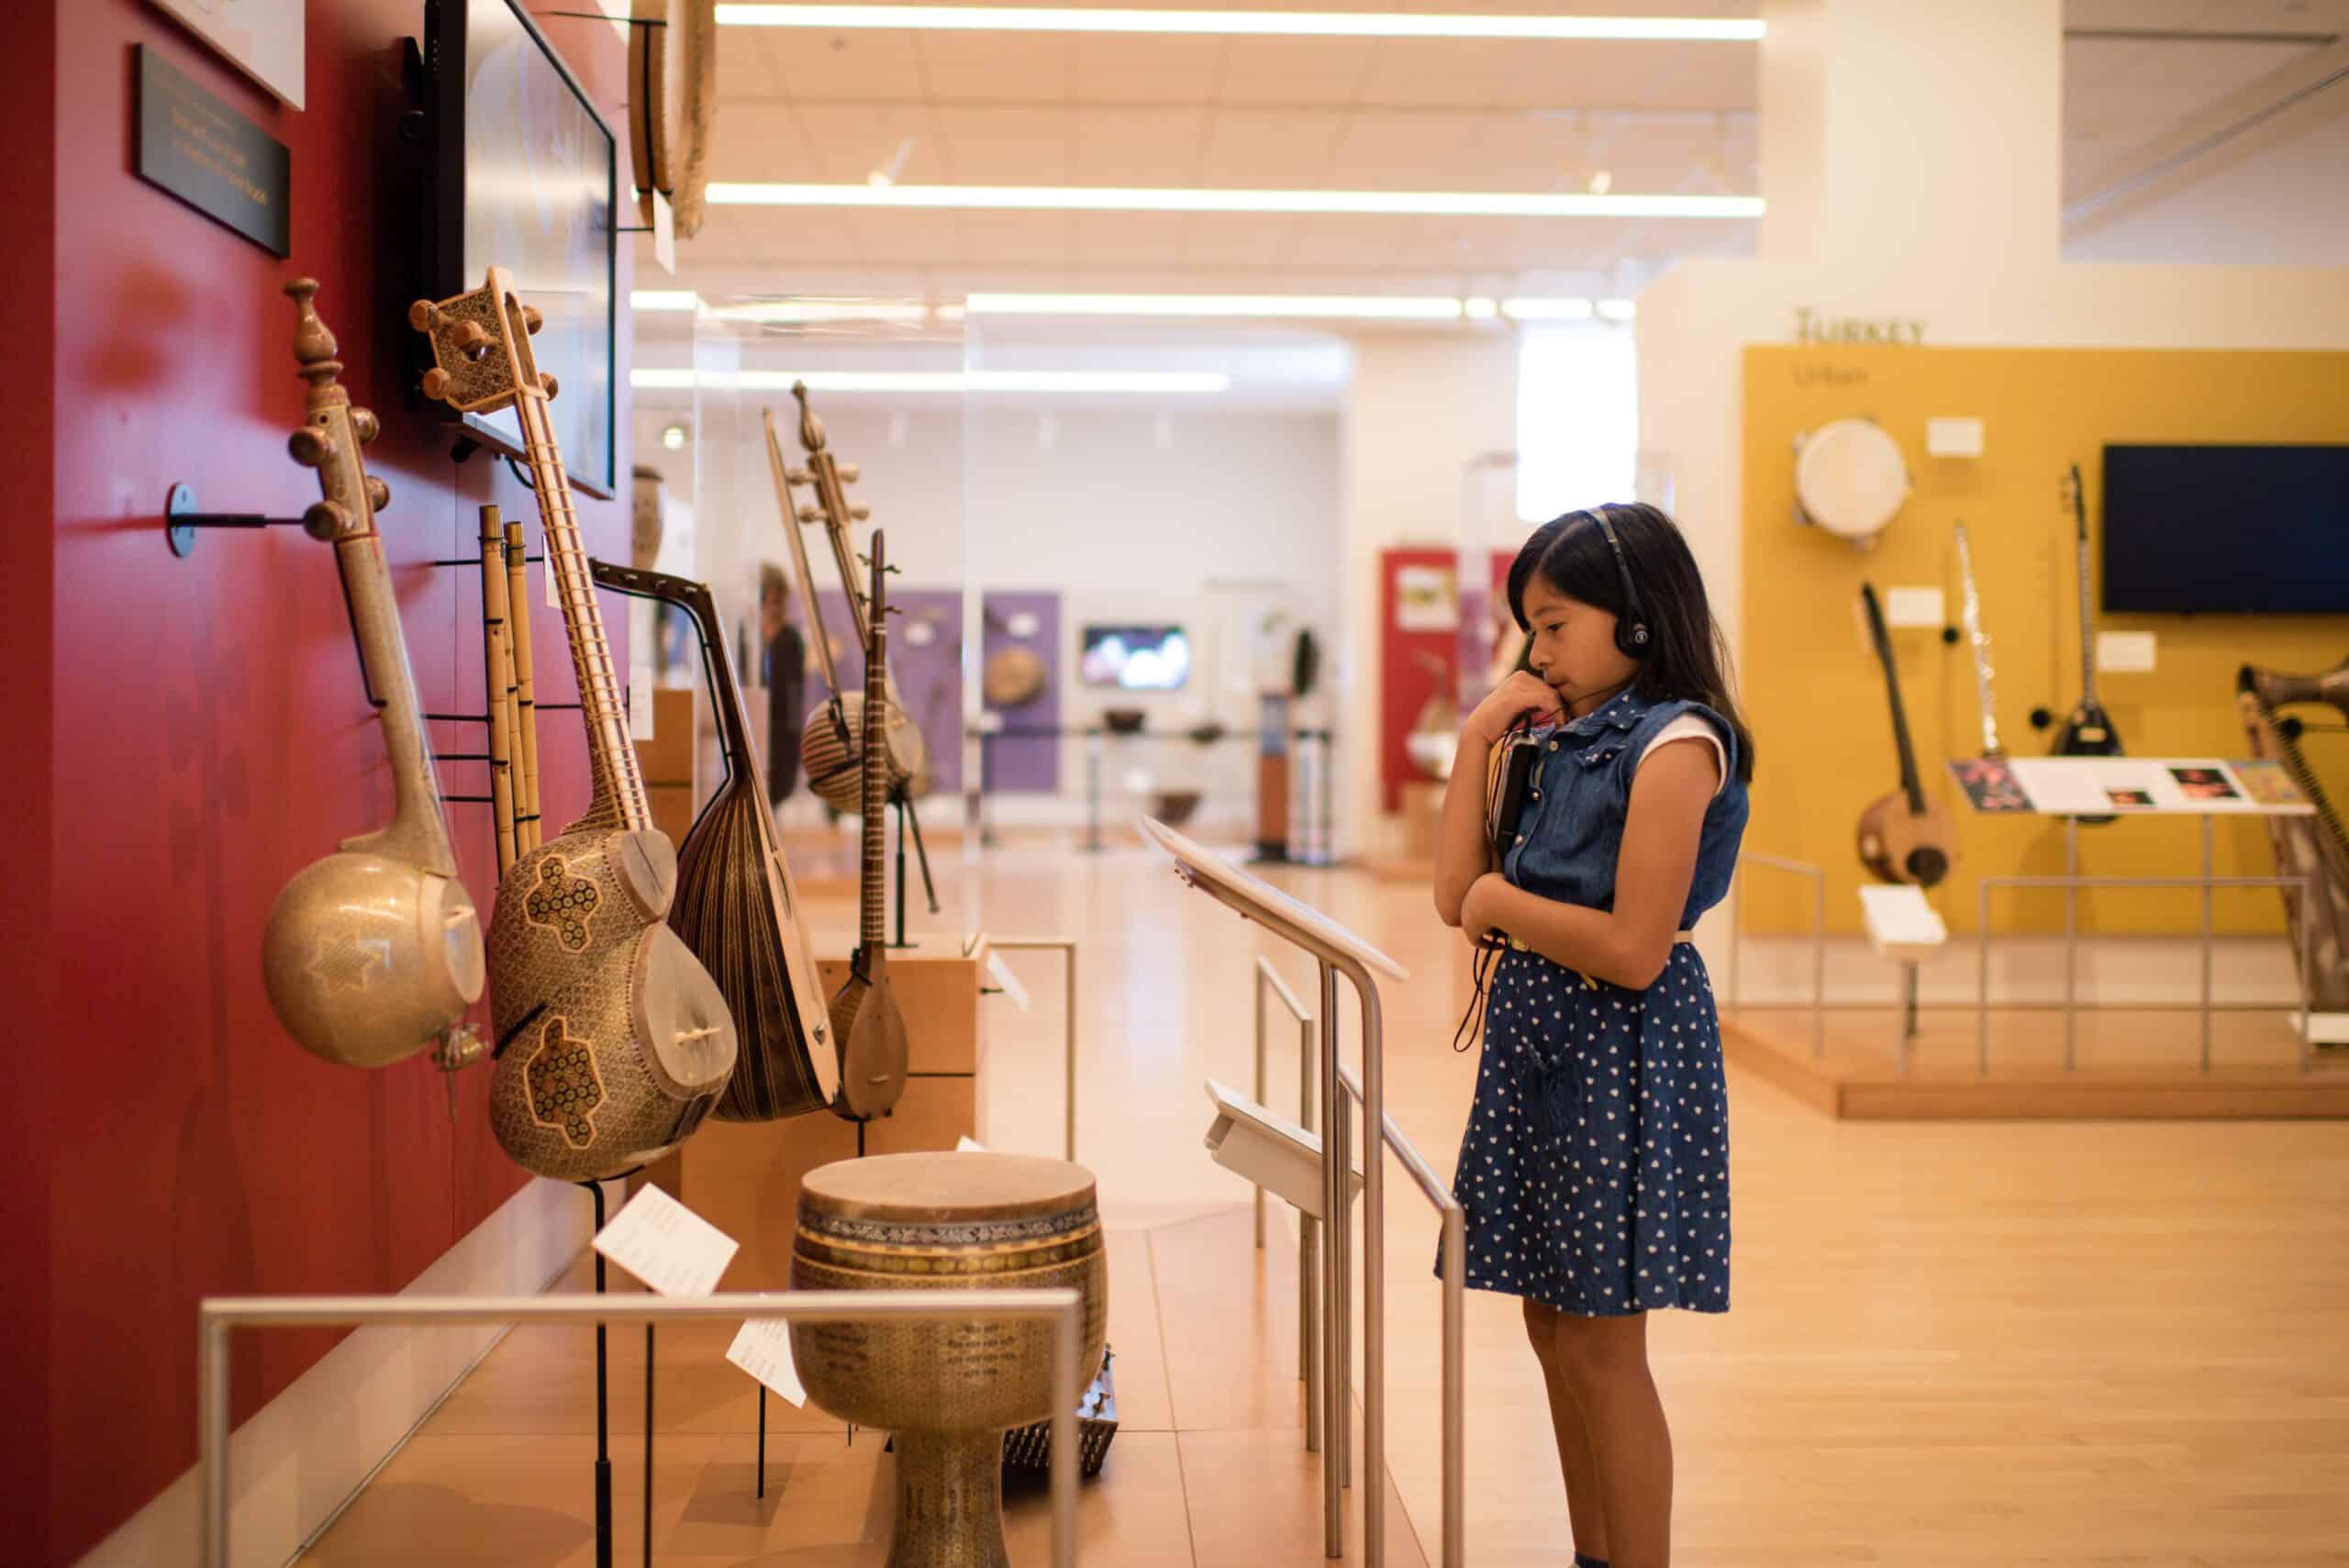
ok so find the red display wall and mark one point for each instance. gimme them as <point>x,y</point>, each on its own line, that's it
<point>205,736</point>
<point>1405,679</point>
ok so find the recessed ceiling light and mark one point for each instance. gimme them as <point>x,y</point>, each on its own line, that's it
<point>1321,23</point>
<point>1546,309</point>
<point>663,299</point>
<point>1601,183</point>
<point>1478,309</point>
<point>1107,198</point>
<point>791,311</point>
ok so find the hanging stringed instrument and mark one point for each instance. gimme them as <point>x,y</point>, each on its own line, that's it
<point>2316,848</point>
<point>830,754</point>
<point>1904,835</point>
<point>1980,640</point>
<point>375,952</point>
<point>865,1019</point>
<point>735,906</point>
<point>2088,729</point>
<point>612,1042</point>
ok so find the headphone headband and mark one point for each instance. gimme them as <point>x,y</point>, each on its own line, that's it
<point>1631,626</point>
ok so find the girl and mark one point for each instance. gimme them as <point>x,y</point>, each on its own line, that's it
<point>1595,1171</point>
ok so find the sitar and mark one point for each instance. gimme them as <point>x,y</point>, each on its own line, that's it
<point>612,1042</point>
<point>864,1015</point>
<point>1904,835</point>
<point>2316,848</point>
<point>373,952</point>
<point>735,906</point>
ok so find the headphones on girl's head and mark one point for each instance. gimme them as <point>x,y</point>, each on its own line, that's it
<point>1631,626</point>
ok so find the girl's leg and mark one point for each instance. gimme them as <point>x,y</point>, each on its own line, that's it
<point>1603,1363</point>
<point>1586,1513</point>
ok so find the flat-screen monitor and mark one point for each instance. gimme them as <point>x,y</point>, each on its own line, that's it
<point>523,176</point>
<point>2226,530</point>
<point>1135,657</point>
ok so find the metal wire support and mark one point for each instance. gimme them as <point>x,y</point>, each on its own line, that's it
<point>1818,876</point>
<point>2071,886</point>
<point>1066,947</point>
<point>217,1316</point>
<point>1308,1239</point>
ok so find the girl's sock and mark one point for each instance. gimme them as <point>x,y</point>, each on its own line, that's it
<point>1582,1561</point>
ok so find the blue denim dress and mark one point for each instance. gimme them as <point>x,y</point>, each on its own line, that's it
<point>1595,1171</point>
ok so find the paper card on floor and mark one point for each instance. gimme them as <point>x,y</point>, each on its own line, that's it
<point>667,1245</point>
<point>763,1350</point>
<point>966,1144</point>
<point>1009,981</point>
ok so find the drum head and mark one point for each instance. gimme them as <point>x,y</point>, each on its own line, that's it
<point>673,92</point>
<point>1014,677</point>
<point>945,1186</point>
<point>1849,478</point>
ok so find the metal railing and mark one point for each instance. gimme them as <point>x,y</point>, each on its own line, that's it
<point>218,1316</point>
<point>1066,947</point>
<point>1818,875</point>
<point>1338,1154</point>
<point>2071,886</point>
<point>1309,1229</point>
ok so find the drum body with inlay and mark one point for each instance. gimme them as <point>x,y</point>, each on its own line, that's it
<point>947,1390</point>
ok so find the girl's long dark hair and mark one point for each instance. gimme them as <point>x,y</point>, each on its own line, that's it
<point>1687,658</point>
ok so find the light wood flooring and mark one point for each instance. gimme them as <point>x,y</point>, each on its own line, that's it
<point>2012,1343</point>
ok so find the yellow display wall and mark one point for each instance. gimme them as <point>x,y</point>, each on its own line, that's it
<point>1815,693</point>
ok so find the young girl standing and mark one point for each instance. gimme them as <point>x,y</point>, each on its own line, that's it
<point>1594,1171</point>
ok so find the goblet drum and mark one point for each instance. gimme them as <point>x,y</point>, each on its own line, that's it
<point>947,1389</point>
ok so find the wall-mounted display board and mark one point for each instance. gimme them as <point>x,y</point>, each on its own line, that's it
<point>260,37</point>
<point>1815,695</point>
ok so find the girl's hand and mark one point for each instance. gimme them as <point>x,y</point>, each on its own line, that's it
<point>1480,909</point>
<point>1521,694</point>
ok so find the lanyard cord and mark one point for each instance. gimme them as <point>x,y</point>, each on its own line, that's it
<point>1488,953</point>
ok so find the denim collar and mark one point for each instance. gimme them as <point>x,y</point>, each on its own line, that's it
<point>1622,711</point>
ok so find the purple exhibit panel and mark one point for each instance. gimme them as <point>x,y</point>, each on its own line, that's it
<point>928,673</point>
<point>1026,763</point>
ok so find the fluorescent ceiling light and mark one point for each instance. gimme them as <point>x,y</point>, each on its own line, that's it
<point>1375,306</point>
<point>1107,198</point>
<point>1546,309</point>
<point>1174,381</point>
<point>663,299</point>
<point>789,310</point>
<point>1617,310</point>
<point>1290,24</point>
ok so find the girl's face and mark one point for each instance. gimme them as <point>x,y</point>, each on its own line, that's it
<point>1574,648</point>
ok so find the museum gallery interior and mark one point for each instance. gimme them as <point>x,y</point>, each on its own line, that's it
<point>963,786</point>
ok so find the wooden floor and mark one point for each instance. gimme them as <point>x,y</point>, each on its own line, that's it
<point>1950,1343</point>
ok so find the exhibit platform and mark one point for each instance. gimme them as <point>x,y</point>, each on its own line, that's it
<point>2139,1063</point>
<point>1208,1468</point>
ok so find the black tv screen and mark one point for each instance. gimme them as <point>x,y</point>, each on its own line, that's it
<point>523,176</point>
<point>2218,530</point>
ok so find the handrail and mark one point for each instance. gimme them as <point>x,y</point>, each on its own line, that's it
<point>1308,1236</point>
<point>216,1315</point>
<point>1818,875</point>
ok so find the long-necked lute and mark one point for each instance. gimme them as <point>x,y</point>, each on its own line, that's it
<point>736,906</point>
<point>375,952</point>
<point>612,1043</point>
<point>830,753</point>
<point>865,1019</point>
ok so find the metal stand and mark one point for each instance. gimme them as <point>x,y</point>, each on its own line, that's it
<point>1818,877</point>
<point>603,1414</point>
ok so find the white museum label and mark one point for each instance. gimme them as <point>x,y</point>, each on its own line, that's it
<point>1908,608</point>
<point>640,700</point>
<point>1009,981</point>
<point>763,1349</point>
<point>2125,652</point>
<point>667,1245</point>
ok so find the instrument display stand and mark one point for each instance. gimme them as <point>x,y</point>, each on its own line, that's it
<point>604,1411</point>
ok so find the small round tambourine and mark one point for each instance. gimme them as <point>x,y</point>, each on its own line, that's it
<point>1849,478</point>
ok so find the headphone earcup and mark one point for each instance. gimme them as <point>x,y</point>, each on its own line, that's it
<point>1631,638</point>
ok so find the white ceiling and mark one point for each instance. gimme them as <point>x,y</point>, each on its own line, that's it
<point>1047,109</point>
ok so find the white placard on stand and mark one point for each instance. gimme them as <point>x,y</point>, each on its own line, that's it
<point>1009,981</point>
<point>763,1349</point>
<point>667,1245</point>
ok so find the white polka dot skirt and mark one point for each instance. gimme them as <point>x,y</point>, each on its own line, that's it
<point>1594,1171</point>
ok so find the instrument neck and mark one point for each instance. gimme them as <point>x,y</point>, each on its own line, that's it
<point>875,783</point>
<point>418,832</point>
<point>2087,615</point>
<point>619,783</point>
<point>1911,784</point>
<point>798,544</point>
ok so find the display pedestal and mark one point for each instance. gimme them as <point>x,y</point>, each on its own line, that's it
<point>744,1176</point>
<point>672,785</point>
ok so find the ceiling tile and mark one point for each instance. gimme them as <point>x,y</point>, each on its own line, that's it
<point>998,67</point>
<point>845,142</point>
<point>1269,149</point>
<point>1296,71</point>
<point>1141,146</point>
<point>1119,68</point>
<point>845,66</point>
<point>1010,146</point>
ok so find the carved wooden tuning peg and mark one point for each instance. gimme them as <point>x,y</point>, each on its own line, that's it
<point>798,476</point>
<point>532,320</point>
<point>379,495</point>
<point>325,521</point>
<point>424,315</point>
<point>860,513</point>
<point>471,339</point>
<point>547,380</point>
<point>436,385</point>
<point>365,426</point>
<point>311,447</point>
<point>811,514</point>
<point>849,473</point>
